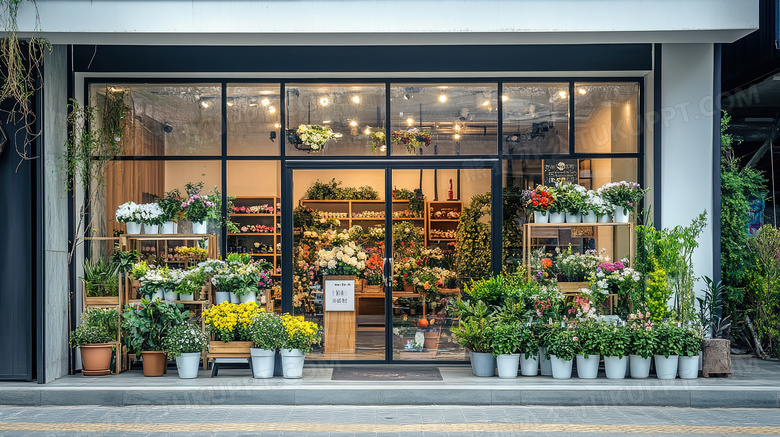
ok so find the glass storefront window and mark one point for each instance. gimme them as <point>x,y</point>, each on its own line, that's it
<point>253,120</point>
<point>536,118</point>
<point>606,117</point>
<point>444,119</point>
<point>167,120</point>
<point>355,113</point>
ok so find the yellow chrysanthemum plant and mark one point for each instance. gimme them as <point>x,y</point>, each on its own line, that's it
<point>300,334</point>
<point>231,322</point>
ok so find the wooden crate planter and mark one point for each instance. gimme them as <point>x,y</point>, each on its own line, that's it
<point>232,349</point>
<point>101,301</point>
<point>568,288</point>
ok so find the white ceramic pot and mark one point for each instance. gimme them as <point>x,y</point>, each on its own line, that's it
<point>151,229</point>
<point>590,217</point>
<point>508,365</point>
<point>557,217</point>
<point>200,227</point>
<point>169,228</point>
<point>222,296</point>
<point>262,362</point>
<point>544,363</point>
<point>248,297</point>
<point>292,363</point>
<point>541,217</point>
<point>186,297</point>
<point>529,366</point>
<point>171,295</point>
<point>615,367</point>
<point>483,364</point>
<point>561,369</point>
<point>188,364</point>
<point>573,217</point>
<point>640,367</point>
<point>159,294</point>
<point>234,298</point>
<point>133,228</point>
<point>688,367</point>
<point>588,368</point>
<point>622,215</point>
<point>666,368</point>
<point>605,219</point>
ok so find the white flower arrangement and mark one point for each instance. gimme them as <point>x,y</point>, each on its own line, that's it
<point>127,212</point>
<point>345,259</point>
<point>314,136</point>
<point>150,214</point>
<point>599,205</point>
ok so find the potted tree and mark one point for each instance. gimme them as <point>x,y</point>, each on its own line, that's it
<point>688,363</point>
<point>268,334</point>
<point>562,348</point>
<point>506,344</point>
<point>614,348</point>
<point>588,358</point>
<point>93,342</point>
<point>668,347</point>
<point>146,324</point>
<point>641,344</point>
<point>185,343</point>
<point>529,351</point>
<point>300,337</point>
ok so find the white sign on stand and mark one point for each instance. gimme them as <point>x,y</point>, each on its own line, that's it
<point>339,295</point>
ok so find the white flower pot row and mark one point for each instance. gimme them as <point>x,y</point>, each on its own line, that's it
<point>229,296</point>
<point>163,294</point>
<point>264,361</point>
<point>589,217</point>
<point>634,366</point>
<point>134,228</point>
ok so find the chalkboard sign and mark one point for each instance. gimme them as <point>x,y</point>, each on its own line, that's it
<point>555,170</point>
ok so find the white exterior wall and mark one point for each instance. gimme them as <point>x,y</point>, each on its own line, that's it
<point>687,148</point>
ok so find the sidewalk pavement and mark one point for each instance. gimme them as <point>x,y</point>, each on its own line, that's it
<point>755,384</point>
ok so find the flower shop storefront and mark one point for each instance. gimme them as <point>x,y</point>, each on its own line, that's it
<point>366,206</point>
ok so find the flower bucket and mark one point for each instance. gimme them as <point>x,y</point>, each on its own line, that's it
<point>557,217</point>
<point>292,363</point>
<point>666,368</point>
<point>544,363</point>
<point>573,217</point>
<point>151,229</point>
<point>483,364</point>
<point>222,296</point>
<point>590,217</point>
<point>615,367</point>
<point>169,228</point>
<point>159,294</point>
<point>188,364</point>
<point>561,369</point>
<point>605,219</point>
<point>200,227</point>
<point>133,228</point>
<point>234,298</point>
<point>508,365</point>
<point>541,217</point>
<point>640,367</point>
<point>171,296</point>
<point>688,367</point>
<point>587,368</point>
<point>186,297</point>
<point>529,366</point>
<point>248,297</point>
<point>263,361</point>
<point>622,215</point>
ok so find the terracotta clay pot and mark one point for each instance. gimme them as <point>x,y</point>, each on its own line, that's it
<point>96,359</point>
<point>154,362</point>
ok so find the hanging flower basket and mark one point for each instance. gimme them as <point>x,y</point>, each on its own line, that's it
<point>311,138</point>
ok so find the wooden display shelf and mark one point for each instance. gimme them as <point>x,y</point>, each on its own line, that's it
<point>258,214</point>
<point>445,220</point>
<point>233,234</point>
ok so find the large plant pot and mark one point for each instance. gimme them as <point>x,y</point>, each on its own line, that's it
<point>541,217</point>
<point>222,296</point>
<point>688,367</point>
<point>590,217</point>
<point>529,366</point>
<point>716,357</point>
<point>169,228</point>
<point>133,228</point>
<point>248,297</point>
<point>263,361</point>
<point>561,369</point>
<point>622,215</point>
<point>573,217</point>
<point>544,363</point>
<point>557,217</point>
<point>666,368</point>
<point>508,365</point>
<point>605,219</point>
<point>483,364</point>
<point>234,298</point>
<point>159,294</point>
<point>588,368</point>
<point>151,229</point>
<point>96,359</point>
<point>154,363</point>
<point>615,367</point>
<point>200,227</point>
<point>640,367</point>
<point>188,364</point>
<point>171,296</point>
<point>292,363</point>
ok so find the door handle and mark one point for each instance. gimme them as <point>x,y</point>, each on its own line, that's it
<point>388,272</point>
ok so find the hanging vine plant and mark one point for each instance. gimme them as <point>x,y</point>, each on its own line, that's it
<point>21,63</point>
<point>473,238</point>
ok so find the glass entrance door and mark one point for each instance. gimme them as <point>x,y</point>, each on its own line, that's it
<point>381,253</point>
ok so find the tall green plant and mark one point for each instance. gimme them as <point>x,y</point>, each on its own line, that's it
<point>473,238</point>
<point>765,292</point>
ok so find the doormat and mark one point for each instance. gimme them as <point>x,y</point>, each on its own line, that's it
<point>377,373</point>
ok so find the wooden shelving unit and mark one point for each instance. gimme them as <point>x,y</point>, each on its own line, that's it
<point>346,210</point>
<point>269,239</point>
<point>438,221</point>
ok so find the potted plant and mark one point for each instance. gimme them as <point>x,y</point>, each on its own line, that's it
<point>529,351</point>
<point>198,209</point>
<point>641,344</point>
<point>589,339</point>
<point>174,278</point>
<point>688,363</point>
<point>185,343</point>
<point>614,348</point>
<point>624,195</point>
<point>572,199</point>
<point>268,334</point>
<point>128,213</point>
<point>212,269</point>
<point>562,348</point>
<point>189,284</point>
<point>542,333</point>
<point>139,271</point>
<point>668,347</point>
<point>539,202</point>
<point>716,351</point>
<point>230,324</point>
<point>506,344</point>
<point>475,333</point>
<point>597,210</point>
<point>300,337</point>
<point>172,209</point>
<point>146,324</point>
<point>101,282</point>
<point>311,137</point>
<point>93,342</point>
<point>152,217</point>
<point>154,282</point>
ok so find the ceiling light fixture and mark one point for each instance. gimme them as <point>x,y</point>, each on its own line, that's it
<point>277,125</point>
<point>272,110</point>
<point>443,98</point>
<point>353,123</point>
<point>204,103</point>
<point>265,102</point>
<point>325,121</point>
<point>504,98</point>
<point>356,99</point>
<point>456,136</point>
<point>582,91</point>
<point>410,121</point>
<point>367,131</point>
<point>324,101</point>
<point>562,94</point>
<point>486,103</point>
